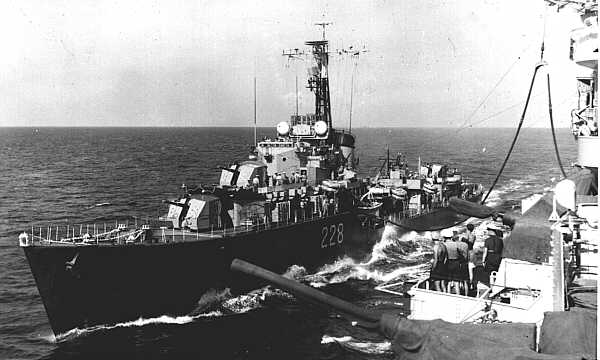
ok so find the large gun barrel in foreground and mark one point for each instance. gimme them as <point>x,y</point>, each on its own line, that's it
<point>422,339</point>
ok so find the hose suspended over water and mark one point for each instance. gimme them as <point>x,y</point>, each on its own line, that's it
<point>514,141</point>
<point>537,67</point>
<point>560,165</point>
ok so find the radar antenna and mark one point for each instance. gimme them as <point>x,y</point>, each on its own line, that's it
<point>323,25</point>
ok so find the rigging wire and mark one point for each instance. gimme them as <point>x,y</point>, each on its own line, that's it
<point>465,123</point>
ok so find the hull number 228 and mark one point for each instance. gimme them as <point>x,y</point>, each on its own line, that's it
<point>332,235</point>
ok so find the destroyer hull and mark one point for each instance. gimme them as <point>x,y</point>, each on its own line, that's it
<point>84,286</point>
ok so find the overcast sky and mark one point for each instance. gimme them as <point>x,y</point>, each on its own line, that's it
<point>192,63</point>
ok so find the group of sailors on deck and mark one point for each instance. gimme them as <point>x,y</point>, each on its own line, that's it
<point>461,263</point>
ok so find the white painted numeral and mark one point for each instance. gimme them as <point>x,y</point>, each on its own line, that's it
<point>332,229</point>
<point>340,232</point>
<point>324,237</point>
<point>328,235</point>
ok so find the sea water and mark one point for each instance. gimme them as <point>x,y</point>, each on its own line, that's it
<point>87,175</point>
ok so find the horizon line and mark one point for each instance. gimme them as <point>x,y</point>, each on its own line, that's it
<point>262,127</point>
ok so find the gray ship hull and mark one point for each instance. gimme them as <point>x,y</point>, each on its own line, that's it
<point>84,286</point>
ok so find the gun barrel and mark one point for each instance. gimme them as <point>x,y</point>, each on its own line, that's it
<point>302,290</point>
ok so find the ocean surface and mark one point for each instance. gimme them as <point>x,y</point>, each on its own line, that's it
<point>86,175</point>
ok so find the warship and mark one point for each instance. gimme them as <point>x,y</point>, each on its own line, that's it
<point>541,302</point>
<point>293,201</point>
<point>417,198</point>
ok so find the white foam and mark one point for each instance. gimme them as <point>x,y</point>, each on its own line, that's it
<point>295,272</point>
<point>164,319</point>
<point>389,238</point>
<point>212,297</point>
<point>499,193</point>
<point>326,339</point>
<point>361,346</point>
<point>391,243</point>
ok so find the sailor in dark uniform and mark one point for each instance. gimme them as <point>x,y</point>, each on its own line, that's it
<point>492,253</point>
<point>439,271</point>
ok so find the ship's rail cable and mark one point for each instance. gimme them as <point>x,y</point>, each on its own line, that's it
<point>465,123</point>
<point>514,141</point>
<point>560,165</point>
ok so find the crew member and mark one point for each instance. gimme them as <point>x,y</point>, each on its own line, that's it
<point>463,252</point>
<point>452,262</point>
<point>470,236</point>
<point>295,205</point>
<point>477,272</point>
<point>439,270</point>
<point>492,253</point>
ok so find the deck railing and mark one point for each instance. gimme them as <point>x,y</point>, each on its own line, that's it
<point>128,231</point>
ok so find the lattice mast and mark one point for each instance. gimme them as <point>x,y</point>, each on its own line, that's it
<point>318,81</point>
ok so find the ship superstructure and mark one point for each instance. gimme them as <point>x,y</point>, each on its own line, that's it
<point>409,196</point>
<point>550,255</point>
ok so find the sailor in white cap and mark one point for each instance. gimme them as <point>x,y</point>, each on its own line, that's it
<point>439,271</point>
<point>452,262</point>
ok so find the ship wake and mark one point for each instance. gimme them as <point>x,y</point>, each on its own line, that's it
<point>352,344</point>
<point>164,319</point>
<point>396,256</point>
<point>213,304</point>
